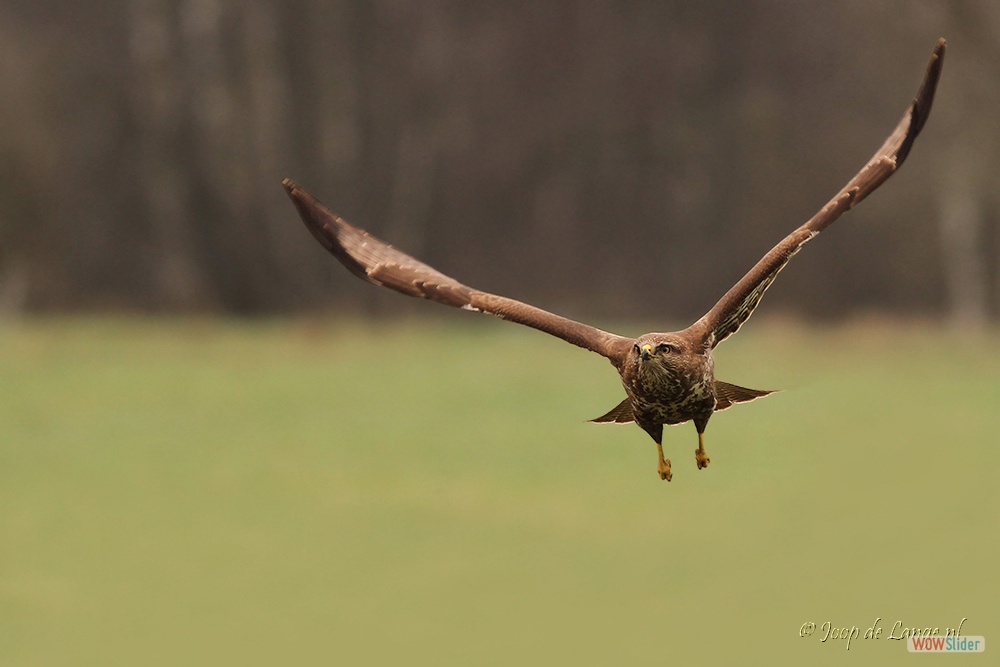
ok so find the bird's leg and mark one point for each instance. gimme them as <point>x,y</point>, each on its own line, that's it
<point>664,466</point>
<point>699,454</point>
<point>655,431</point>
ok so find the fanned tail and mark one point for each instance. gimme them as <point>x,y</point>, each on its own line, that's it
<point>726,395</point>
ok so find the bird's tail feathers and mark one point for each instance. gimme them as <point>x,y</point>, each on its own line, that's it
<point>727,395</point>
<point>620,414</point>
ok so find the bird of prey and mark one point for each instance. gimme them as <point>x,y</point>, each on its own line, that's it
<point>668,377</point>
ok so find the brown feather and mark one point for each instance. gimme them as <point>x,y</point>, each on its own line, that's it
<point>378,262</point>
<point>620,414</point>
<point>735,307</point>
<point>727,395</point>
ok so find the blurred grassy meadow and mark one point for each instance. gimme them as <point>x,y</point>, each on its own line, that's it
<point>319,492</point>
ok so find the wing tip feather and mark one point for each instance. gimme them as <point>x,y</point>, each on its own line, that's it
<point>327,228</point>
<point>920,109</point>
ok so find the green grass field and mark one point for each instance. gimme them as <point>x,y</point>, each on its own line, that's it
<point>301,493</point>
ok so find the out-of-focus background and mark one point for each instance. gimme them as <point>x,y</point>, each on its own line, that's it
<point>217,446</point>
<point>619,160</point>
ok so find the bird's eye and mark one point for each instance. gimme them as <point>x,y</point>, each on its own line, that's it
<point>665,348</point>
<point>635,348</point>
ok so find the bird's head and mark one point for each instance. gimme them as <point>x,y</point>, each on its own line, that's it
<point>660,352</point>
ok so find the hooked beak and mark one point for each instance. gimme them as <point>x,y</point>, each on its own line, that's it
<point>647,351</point>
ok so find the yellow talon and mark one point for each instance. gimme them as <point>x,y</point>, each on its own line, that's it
<point>699,454</point>
<point>664,467</point>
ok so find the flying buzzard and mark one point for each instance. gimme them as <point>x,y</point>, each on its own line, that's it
<point>668,377</point>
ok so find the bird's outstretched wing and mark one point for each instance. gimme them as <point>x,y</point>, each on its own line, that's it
<point>732,310</point>
<point>378,262</point>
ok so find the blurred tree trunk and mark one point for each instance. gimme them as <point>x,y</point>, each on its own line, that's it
<point>962,241</point>
<point>267,109</point>
<point>219,155</point>
<point>334,102</point>
<point>967,176</point>
<point>26,155</point>
<point>159,111</point>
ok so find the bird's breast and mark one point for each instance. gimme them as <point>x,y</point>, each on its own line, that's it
<point>671,395</point>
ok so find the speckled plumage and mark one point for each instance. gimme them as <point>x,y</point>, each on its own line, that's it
<point>669,378</point>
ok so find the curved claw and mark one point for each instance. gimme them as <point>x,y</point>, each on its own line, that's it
<point>701,458</point>
<point>664,470</point>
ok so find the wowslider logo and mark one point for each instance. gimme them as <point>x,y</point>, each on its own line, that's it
<point>946,644</point>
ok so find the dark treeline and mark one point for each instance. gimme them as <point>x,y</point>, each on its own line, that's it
<point>605,159</point>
